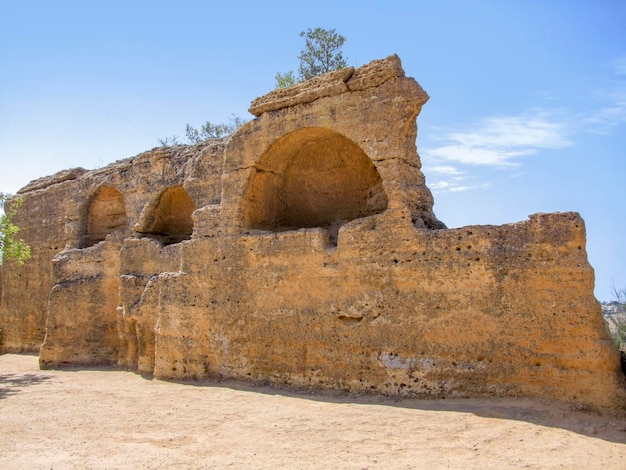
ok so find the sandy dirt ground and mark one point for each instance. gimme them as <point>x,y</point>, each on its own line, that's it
<point>76,419</point>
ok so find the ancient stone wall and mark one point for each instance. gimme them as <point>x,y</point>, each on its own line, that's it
<point>76,210</point>
<point>304,250</point>
<point>480,310</point>
<point>26,288</point>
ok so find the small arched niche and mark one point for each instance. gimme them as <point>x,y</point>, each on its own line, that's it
<point>312,177</point>
<point>170,221</point>
<point>106,213</point>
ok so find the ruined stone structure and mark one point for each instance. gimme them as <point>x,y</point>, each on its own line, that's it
<point>303,250</point>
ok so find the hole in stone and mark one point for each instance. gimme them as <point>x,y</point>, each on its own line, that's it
<point>105,214</point>
<point>170,221</point>
<point>312,177</point>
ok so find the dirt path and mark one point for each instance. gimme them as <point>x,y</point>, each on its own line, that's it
<point>112,419</point>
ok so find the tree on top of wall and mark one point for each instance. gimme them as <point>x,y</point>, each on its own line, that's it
<point>11,247</point>
<point>321,54</point>
<point>213,131</point>
<point>206,132</point>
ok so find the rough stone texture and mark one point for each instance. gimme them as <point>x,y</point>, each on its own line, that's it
<point>26,288</point>
<point>330,84</point>
<point>375,73</point>
<point>304,250</point>
<point>143,261</point>
<point>81,324</point>
<point>479,310</point>
<point>56,214</point>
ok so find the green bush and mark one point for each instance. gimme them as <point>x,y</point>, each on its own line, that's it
<point>11,247</point>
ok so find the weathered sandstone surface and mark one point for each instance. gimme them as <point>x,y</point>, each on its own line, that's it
<point>304,250</point>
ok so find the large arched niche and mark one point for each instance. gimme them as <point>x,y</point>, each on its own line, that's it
<point>170,220</point>
<point>106,213</point>
<point>312,177</point>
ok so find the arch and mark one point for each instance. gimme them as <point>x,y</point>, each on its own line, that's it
<point>106,213</point>
<point>312,177</point>
<point>170,221</point>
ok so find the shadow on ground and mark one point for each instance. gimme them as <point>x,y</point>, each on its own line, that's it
<point>607,426</point>
<point>11,384</point>
<point>549,413</point>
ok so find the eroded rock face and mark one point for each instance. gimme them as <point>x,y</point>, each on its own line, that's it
<point>312,178</point>
<point>304,250</point>
<point>78,210</point>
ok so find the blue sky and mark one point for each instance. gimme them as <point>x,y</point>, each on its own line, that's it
<point>527,111</point>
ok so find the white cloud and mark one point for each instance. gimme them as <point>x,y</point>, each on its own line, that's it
<point>618,65</point>
<point>604,120</point>
<point>613,112</point>
<point>440,185</point>
<point>456,189</point>
<point>454,180</point>
<point>445,170</point>
<point>454,186</point>
<point>500,141</point>
<point>474,155</point>
<point>611,101</point>
<point>497,142</point>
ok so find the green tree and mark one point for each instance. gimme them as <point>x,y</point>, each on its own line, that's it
<point>206,132</point>
<point>11,247</point>
<point>213,131</point>
<point>284,80</point>
<point>321,54</point>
